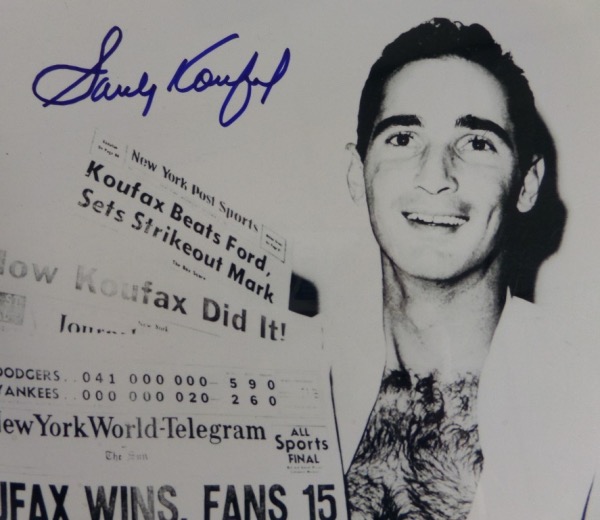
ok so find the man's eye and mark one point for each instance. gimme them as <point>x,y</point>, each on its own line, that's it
<point>481,144</point>
<point>400,139</point>
<point>476,143</point>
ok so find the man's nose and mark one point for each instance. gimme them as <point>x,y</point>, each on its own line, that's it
<point>436,172</point>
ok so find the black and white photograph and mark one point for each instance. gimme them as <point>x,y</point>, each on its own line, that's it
<point>450,159</point>
<point>301,260</point>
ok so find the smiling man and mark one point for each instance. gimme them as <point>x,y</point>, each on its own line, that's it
<point>449,155</point>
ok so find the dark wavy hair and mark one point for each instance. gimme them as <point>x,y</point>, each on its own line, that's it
<point>533,236</point>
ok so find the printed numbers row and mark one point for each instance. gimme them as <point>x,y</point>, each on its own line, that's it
<point>180,397</point>
<point>179,380</point>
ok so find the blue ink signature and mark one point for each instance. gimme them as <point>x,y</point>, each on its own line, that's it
<point>205,78</point>
<point>99,86</point>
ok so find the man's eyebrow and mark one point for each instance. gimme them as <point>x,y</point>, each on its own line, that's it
<point>399,120</point>
<point>477,123</point>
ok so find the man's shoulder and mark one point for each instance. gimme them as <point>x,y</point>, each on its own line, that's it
<point>538,421</point>
<point>528,327</point>
<point>539,348</point>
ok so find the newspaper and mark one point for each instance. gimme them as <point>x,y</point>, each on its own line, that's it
<point>109,412</point>
<point>173,386</point>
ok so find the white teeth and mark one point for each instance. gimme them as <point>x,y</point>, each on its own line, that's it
<point>444,220</point>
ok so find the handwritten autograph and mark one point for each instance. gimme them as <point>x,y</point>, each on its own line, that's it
<point>94,83</point>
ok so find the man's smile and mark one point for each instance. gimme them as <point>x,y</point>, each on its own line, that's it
<point>452,221</point>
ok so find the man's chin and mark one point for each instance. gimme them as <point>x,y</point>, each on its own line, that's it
<point>442,269</point>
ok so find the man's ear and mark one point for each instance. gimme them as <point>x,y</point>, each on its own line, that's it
<point>355,178</point>
<point>531,185</point>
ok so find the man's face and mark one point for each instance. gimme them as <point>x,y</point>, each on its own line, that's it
<point>441,168</point>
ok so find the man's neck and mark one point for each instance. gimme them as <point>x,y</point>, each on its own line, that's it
<point>441,327</point>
